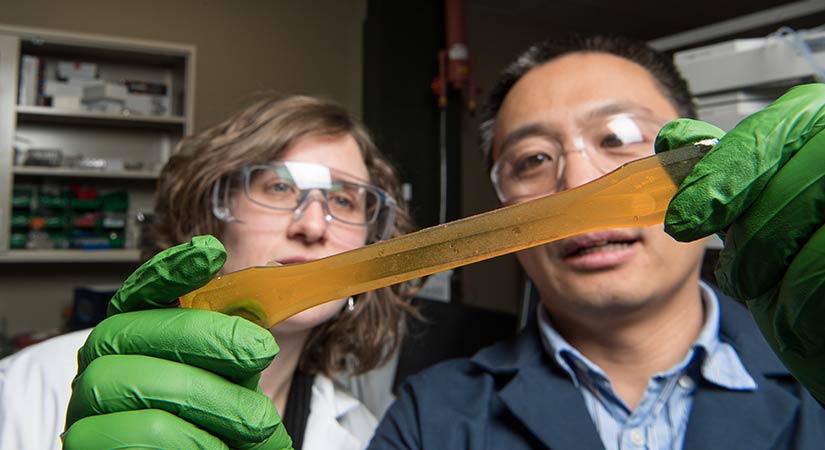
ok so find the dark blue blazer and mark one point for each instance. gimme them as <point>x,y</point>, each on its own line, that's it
<point>512,396</point>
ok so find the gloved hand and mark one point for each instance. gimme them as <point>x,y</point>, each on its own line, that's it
<point>155,376</point>
<point>763,188</point>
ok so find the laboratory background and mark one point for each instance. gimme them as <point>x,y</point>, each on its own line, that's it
<point>94,95</point>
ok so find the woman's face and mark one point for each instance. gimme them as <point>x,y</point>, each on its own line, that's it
<point>265,235</point>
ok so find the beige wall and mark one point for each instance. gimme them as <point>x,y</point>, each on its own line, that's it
<point>243,47</point>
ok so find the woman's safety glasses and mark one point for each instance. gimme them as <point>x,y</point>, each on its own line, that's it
<point>291,186</point>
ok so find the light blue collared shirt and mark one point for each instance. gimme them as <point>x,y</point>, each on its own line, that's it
<point>660,419</point>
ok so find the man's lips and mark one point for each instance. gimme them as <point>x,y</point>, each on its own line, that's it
<point>595,242</point>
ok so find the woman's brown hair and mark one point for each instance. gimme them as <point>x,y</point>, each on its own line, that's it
<point>353,342</point>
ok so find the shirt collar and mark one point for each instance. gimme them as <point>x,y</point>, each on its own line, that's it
<point>720,364</point>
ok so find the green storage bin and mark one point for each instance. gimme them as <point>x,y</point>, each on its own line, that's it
<point>53,201</point>
<point>86,205</point>
<point>18,240</point>
<point>21,197</point>
<point>116,201</point>
<point>20,220</point>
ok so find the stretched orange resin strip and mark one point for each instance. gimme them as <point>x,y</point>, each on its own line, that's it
<point>634,195</point>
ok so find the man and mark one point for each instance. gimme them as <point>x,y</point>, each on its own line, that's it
<point>630,349</point>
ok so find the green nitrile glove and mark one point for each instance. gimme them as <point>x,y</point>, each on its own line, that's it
<point>763,187</point>
<point>156,376</point>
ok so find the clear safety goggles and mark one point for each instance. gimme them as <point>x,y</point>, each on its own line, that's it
<point>289,186</point>
<point>534,165</point>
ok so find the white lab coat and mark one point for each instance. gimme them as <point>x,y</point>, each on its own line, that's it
<point>35,385</point>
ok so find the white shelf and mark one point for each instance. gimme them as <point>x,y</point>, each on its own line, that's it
<point>85,173</point>
<point>69,256</point>
<point>54,115</point>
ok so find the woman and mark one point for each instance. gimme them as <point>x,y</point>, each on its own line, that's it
<point>283,181</point>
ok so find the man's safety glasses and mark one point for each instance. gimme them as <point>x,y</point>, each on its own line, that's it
<point>533,164</point>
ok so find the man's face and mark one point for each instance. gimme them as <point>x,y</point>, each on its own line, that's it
<point>599,273</point>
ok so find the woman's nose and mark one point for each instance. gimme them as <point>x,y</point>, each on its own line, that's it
<point>310,220</point>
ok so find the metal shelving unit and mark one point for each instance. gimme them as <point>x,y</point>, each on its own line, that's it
<point>140,143</point>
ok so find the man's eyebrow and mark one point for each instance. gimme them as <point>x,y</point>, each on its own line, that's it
<point>618,107</point>
<point>543,130</point>
<point>524,132</point>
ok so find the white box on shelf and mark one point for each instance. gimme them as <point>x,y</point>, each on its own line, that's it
<point>727,116</point>
<point>751,62</point>
<point>764,96</point>
<point>76,70</point>
<point>727,109</point>
<point>104,90</point>
<point>66,102</point>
